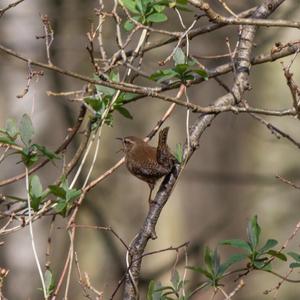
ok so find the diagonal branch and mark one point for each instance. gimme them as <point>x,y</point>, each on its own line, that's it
<point>11,5</point>
<point>214,17</point>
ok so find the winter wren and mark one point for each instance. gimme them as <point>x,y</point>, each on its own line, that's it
<point>146,162</point>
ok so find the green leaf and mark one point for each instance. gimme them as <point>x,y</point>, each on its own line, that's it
<point>109,120</point>
<point>183,7</point>
<point>216,261</point>
<point>106,91</point>
<point>162,75</point>
<point>182,2</point>
<point>127,96</point>
<point>35,192</point>
<point>153,291</point>
<point>61,207</point>
<point>157,18</point>
<point>191,62</point>
<point>29,160</point>
<point>294,255</point>
<point>11,128</point>
<point>114,76</point>
<point>29,156</point>
<point>72,194</point>
<point>130,5</point>
<point>253,231</point>
<point>235,258</point>
<point>165,288</point>
<point>268,245</point>
<point>187,77</point>
<point>159,8</point>
<point>35,187</point>
<point>262,265</point>
<point>175,279</point>
<point>179,57</point>
<point>237,244</point>
<point>64,193</point>
<point>64,183</point>
<point>94,102</point>
<point>57,191</point>
<point>164,2</point>
<point>26,130</point>
<point>150,290</point>
<point>65,196</point>
<point>201,271</point>
<point>179,153</point>
<point>208,258</point>
<point>49,282</point>
<point>46,152</point>
<point>277,254</point>
<point>181,68</point>
<point>7,140</point>
<point>202,73</point>
<point>140,7</point>
<point>128,25</point>
<point>124,112</point>
<point>294,265</point>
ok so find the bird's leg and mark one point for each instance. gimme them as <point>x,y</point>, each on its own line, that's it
<point>150,201</point>
<point>149,198</point>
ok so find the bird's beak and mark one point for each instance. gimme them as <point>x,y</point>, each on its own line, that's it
<point>120,139</point>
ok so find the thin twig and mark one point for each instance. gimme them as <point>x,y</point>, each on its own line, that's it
<point>49,240</point>
<point>32,236</point>
<point>108,228</point>
<point>237,288</point>
<point>71,233</point>
<point>3,10</point>
<point>286,181</point>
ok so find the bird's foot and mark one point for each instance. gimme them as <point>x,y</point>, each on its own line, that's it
<point>152,202</point>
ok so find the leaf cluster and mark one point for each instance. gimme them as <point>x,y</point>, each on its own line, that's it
<point>65,197</point>
<point>170,292</point>
<point>29,151</point>
<point>183,71</point>
<point>150,11</point>
<point>255,256</point>
<point>102,99</point>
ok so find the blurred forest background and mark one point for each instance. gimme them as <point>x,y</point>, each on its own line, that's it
<point>230,178</point>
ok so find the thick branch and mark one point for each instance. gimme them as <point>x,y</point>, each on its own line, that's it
<point>155,92</point>
<point>214,17</point>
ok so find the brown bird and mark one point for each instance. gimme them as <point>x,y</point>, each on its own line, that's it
<point>146,162</point>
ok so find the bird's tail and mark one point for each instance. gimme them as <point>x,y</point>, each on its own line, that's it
<point>163,155</point>
<point>162,139</point>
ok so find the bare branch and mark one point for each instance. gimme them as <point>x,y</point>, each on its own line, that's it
<point>217,18</point>
<point>5,9</point>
